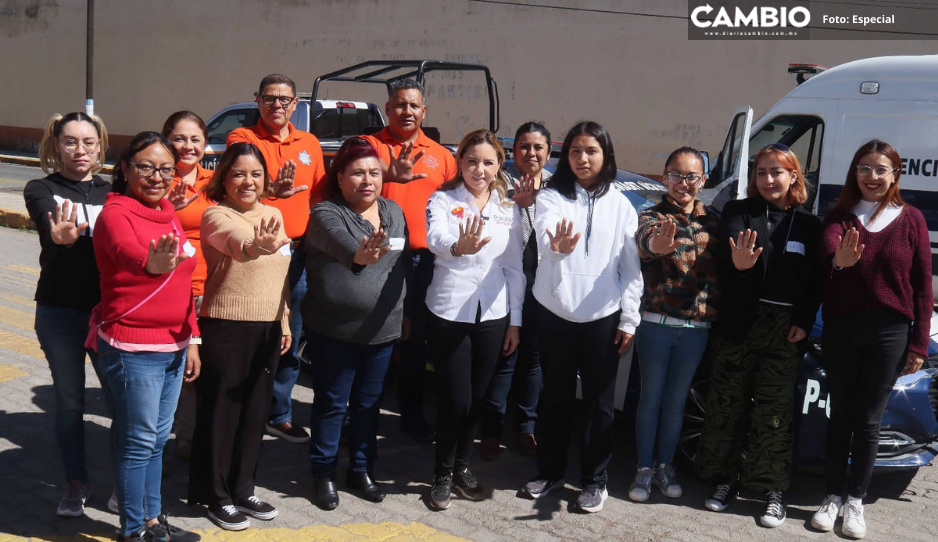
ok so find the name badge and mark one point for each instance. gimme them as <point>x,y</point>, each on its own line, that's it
<point>285,250</point>
<point>795,246</point>
<point>188,248</point>
<point>396,243</point>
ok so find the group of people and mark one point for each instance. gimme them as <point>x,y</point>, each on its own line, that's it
<point>191,287</point>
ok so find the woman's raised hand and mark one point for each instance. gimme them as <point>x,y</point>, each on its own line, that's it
<point>470,236</point>
<point>524,191</point>
<point>662,239</point>
<point>63,225</point>
<point>265,236</point>
<point>744,252</point>
<point>164,255</point>
<point>563,240</point>
<point>849,249</point>
<point>370,250</point>
<point>177,196</point>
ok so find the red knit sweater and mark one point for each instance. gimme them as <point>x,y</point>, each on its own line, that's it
<point>121,244</point>
<point>894,272</point>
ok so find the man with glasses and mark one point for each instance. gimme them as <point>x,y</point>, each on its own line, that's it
<point>414,166</point>
<point>294,162</point>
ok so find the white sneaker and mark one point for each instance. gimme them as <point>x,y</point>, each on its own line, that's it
<point>854,524</point>
<point>667,482</point>
<point>826,515</point>
<point>640,489</point>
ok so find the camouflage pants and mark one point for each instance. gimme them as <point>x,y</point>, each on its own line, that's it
<point>747,431</point>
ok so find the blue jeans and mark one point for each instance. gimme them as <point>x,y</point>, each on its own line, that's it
<point>668,358</point>
<point>281,407</point>
<point>61,332</point>
<point>145,388</point>
<point>346,374</point>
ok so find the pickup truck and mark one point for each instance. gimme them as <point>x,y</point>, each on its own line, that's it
<point>331,121</point>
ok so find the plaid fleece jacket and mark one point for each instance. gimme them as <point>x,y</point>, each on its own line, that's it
<point>682,284</point>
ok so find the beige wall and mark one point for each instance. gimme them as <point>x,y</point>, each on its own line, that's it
<point>636,73</point>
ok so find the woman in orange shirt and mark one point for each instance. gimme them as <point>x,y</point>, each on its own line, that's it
<point>187,132</point>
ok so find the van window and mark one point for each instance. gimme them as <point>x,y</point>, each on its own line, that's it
<point>729,156</point>
<point>804,135</point>
<point>219,128</point>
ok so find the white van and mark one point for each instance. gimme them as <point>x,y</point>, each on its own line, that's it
<point>828,117</point>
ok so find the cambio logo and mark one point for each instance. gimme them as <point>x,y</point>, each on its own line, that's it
<point>757,17</point>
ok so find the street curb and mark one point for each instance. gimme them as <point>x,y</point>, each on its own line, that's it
<point>15,219</point>
<point>21,160</point>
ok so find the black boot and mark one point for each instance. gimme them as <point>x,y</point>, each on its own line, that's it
<point>366,487</point>
<point>327,497</point>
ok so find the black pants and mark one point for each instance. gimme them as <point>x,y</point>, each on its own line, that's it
<point>239,361</point>
<point>464,357</point>
<point>568,348</point>
<point>863,356</point>
<point>412,363</point>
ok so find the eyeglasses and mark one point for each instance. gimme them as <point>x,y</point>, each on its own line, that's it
<point>146,171</point>
<point>269,100</point>
<point>71,144</point>
<point>864,170</point>
<point>777,147</point>
<point>677,178</point>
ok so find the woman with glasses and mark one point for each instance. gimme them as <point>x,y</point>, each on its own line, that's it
<point>771,287</point>
<point>520,371</point>
<point>678,244</point>
<point>144,327</point>
<point>64,205</point>
<point>245,326</point>
<point>876,254</point>
<point>188,134</point>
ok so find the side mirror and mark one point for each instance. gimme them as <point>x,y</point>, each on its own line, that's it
<point>706,159</point>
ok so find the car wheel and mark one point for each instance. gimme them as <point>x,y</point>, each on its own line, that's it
<point>694,410</point>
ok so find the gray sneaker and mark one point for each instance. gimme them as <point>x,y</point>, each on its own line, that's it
<point>667,482</point>
<point>592,497</point>
<point>73,502</point>
<point>540,487</point>
<point>640,489</point>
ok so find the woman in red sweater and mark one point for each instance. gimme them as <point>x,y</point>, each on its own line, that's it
<point>877,311</point>
<point>144,325</point>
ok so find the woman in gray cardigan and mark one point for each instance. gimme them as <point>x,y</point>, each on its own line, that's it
<point>353,313</point>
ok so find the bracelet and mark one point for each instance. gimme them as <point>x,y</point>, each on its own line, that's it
<point>452,250</point>
<point>195,340</point>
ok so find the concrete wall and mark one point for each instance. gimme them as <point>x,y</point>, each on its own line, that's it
<point>627,64</point>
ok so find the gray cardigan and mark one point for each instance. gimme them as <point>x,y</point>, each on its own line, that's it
<point>349,302</point>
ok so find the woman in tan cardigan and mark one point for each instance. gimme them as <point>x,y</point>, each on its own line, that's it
<point>245,329</point>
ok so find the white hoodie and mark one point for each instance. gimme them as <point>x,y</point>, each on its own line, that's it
<point>603,273</point>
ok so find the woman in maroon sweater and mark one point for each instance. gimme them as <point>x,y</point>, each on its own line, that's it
<point>877,310</point>
<point>144,326</point>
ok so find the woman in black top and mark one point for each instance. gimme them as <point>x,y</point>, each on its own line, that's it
<point>771,292</point>
<point>64,206</point>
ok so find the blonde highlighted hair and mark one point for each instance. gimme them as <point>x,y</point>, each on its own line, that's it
<point>478,137</point>
<point>49,159</point>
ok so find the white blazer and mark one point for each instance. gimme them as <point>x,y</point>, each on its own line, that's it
<point>603,273</point>
<point>491,278</point>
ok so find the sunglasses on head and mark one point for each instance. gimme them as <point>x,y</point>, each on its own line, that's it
<point>777,147</point>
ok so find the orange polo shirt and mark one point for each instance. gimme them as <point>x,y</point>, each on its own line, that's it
<point>301,147</point>
<point>439,165</point>
<point>191,219</point>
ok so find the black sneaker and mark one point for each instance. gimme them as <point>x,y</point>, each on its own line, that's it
<point>467,485</point>
<point>539,487</point>
<point>227,517</point>
<point>256,508</point>
<point>440,491</point>
<point>164,532</point>
<point>774,509</point>
<point>592,497</point>
<point>136,537</point>
<point>721,497</point>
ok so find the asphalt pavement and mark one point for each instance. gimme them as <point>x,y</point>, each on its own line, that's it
<point>902,506</point>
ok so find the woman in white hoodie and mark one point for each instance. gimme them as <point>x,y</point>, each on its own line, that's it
<point>588,286</point>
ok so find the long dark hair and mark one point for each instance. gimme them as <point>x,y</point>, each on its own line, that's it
<point>532,127</point>
<point>850,196</point>
<point>354,148</point>
<point>564,180</point>
<point>215,189</point>
<point>137,144</point>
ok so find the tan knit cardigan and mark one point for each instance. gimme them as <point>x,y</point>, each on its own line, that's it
<point>245,283</point>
